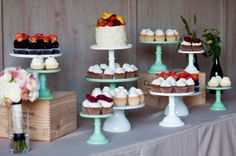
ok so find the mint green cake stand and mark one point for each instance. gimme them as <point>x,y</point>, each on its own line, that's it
<point>112,82</point>
<point>158,66</point>
<point>218,105</point>
<point>44,92</point>
<point>97,138</point>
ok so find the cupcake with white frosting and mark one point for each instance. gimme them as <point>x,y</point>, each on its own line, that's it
<point>106,103</point>
<point>171,80</point>
<point>225,82</point>
<point>94,106</point>
<point>119,73</point>
<point>90,71</point>
<point>159,35</point>
<point>103,66</point>
<point>177,36</point>
<point>140,95</point>
<point>85,106</point>
<point>133,98</point>
<point>166,87</point>
<point>129,72</point>
<point>96,92</point>
<point>135,69</point>
<point>51,63</point>
<point>181,87</point>
<point>37,63</point>
<point>117,65</point>
<point>108,73</point>
<point>213,82</point>
<point>106,89</point>
<point>150,36</point>
<point>170,35</point>
<point>142,35</point>
<point>97,72</point>
<point>120,99</point>
<point>156,84</point>
<point>191,85</point>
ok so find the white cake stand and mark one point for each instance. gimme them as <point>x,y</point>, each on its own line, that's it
<point>180,109</point>
<point>191,68</point>
<point>119,123</point>
<point>111,52</point>
<point>171,120</point>
<point>32,56</point>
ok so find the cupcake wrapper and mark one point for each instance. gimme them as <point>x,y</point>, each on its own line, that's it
<point>94,111</point>
<point>129,74</point>
<point>149,38</point>
<point>181,89</point>
<point>107,110</point>
<point>120,102</point>
<point>141,98</point>
<point>155,88</point>
<point>160,38</point>
<point>106,76</point>
<point>166,89</point>
<point>191,88</point>
<point>133,101</point>
<point>120,76</point>
<point>171,38</point>
<point>96,76</point>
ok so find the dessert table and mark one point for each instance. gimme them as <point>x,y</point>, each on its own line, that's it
<point>206,133</point>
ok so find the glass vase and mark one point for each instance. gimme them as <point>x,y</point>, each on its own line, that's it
<point>18,129</point>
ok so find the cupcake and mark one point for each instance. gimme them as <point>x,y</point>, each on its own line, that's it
<point>171,80</point>
<point>129,72</point>
<point>51,63</point>
<point>155,85</point>
<point>85,106</point>
<point>120,99</point>
<point>140,95</point>
<point>177,36</point>
<point>106,103</point>
<point>117,65</point>
<point>121,87</point>
<point>142,35</point>
<point>96,92</point>
<point>94,107</point>
<point>196,44</point>
<point>225,82</point>
<point>97,73</point>
<point>218,78</point>
<point>112,93</point>
<point>133,98</point>
<point>191,85</point>
<point>181,87</point>
<point>135,69</point>
<point>90,71</point>
<point>185,45</point>
<point>54,42</point>
<point>213,82</point>
<point>119,73</point>
<point>170,35</point>
<point>37,63</point>
<point>150,35</point>
<point>103,66</point>
<point>106,89</point>
<point>166,87</point>
<point>108,73</point>
<point>159,35</point>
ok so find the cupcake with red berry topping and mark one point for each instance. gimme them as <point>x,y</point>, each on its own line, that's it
<point>181,86</point>
<point>166,87</point>
<point>196,44</point>
<point>186,45</point>
<point>21,42</point>
<point>94,106</point>
<point>106,103</point>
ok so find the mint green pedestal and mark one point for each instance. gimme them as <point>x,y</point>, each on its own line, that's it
<point>44,92</point>
<point>218,105</point>
<point>97,138</point>
<point>158,66</point>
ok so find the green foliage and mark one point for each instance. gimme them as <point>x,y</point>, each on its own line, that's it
<point>212,43</point>
<point>192,33</point>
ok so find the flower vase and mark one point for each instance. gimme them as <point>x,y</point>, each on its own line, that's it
<point>195,62</point>
<point>18,129</point>
<point>216,70</point>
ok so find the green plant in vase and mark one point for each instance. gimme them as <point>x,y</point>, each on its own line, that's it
<point>213,49</point>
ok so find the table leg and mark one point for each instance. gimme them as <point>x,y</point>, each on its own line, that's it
<point>117,123</point>
<point>171,120</point>
<point>218,105</point>
<point>97,138</point>
<point>44,92</point>
<point>158,66</point>
<point>191,68</point>
<point>180,108</point>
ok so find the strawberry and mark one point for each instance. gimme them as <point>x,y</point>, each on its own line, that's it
<point>104,98</point>
<point>46,38</point>
<point>175,76</point>
<point>91,98</point>
<point>110,23</point>
<point>165,75</point>
<point>33,38</point>
<point>195,77</point>
<point>18,34</point>
<point>102,24</point>
<point>53,37</point>
<point>158,75</point>
<point>100,20</point>
<point>112,18</point>
<point>20,39</point>
<point>25,36</point>
<point>172,73</point>
<point>39,35</point>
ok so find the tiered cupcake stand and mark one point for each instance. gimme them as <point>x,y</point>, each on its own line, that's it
<point>191,68</point>
<point>44,92</point>
<point>171,119</point>
<point>97,138</point>
<point>118,122</point>
<point>158,66</point>
<point>218,105</point>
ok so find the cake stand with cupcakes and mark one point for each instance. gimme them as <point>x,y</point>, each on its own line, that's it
<point>191,46</point>
<point>171,120</point>
<point>111,36</point>
<point>39,47</point>
<point>159,39</point>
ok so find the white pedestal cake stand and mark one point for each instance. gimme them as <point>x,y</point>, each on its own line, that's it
<point>191,68</point>
<point>119,123</point>
<point>171,120</point>
<point>180,109</point>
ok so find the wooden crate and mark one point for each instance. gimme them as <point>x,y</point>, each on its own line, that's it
<point>160,102</point>
<point>49,120</point>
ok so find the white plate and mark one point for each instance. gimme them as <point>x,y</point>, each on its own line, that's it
<point>190,52</point>
<point>129,107</point>
<point>171,94</point>
<point>32,56</point>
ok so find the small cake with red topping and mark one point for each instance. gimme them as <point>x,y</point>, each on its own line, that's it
<point>91,105</point>
<point>106,103</point>
<point>191,44</point>
<point>110,31</point>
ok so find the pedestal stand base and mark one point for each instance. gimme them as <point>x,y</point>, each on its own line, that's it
<point>180,108</point>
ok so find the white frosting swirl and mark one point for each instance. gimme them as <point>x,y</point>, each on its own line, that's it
<point>180,83</point>
<point>169,32</point>
<point>119,71</point>
<point>197,44</point>
<point>106,89</point>
<point>121,95</point>
<point>86,103</point>
<point>150,33</point>
<point>159,32</point>
<point>225,82</point>
<point>134,67</point>
<point>97,70</point>
<point>158,81</point>
<point>37,61</point>
<point>96,92</point>
<point>143,32</point>
<point>108,71</point>
<point>103,66</point>
<point>117,65</point>
<point>139,91</point>
<point>165,83</point>
<point>213,82</point>
<point>185,43</point>
<point>133,94</point>
<point>105,104</point>
<point>91,69</point>
<point>190,82</point>
<point>51,61</point>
